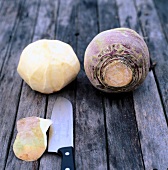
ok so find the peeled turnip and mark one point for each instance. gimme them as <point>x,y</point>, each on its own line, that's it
<point>117,60</point>
<point>48,65</point>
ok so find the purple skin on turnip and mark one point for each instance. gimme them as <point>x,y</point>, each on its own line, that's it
<point>117,60</point>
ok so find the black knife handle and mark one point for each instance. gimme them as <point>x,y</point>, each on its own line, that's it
<point>67,154</point>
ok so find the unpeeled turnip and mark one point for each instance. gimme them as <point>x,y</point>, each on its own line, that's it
<point>117,60</point>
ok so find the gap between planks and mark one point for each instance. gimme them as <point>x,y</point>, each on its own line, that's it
<point>112,16</point>
<point>17,29</point>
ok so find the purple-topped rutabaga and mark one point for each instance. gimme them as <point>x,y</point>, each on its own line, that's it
<point>117,60</point>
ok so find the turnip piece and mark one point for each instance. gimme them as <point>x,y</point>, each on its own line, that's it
<point>117,60</point>
<point>48,65</point>
<point>31,139</point>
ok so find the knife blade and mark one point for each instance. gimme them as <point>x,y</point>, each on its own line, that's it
<point>61,133</point>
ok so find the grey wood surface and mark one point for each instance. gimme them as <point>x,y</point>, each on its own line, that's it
<point>8,16</point>
<point>162,8</point>
<point>1,4</point>
<point>151,160</point>
<point>63,31</point>
<point>121,124</point>
<point>158,45</point>
<point>90,140</point>
<point>11,84</point>
<point>111,132</point>
<point>152,125</point>
<point>33,103</point>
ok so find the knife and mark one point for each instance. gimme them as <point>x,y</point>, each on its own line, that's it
<point>61,133</point>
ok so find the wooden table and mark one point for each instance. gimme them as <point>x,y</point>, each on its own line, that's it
<point>112,131</point>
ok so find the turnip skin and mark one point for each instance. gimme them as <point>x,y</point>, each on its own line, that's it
<point>122,45</point>
<point>31,139</point>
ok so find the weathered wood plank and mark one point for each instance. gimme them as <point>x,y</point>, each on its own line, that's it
<point>1,3</point>
<point>33,103</point>
<point>8,16</point>
<point>107,15</point>
<point>88,110</point>
<point>54,160</point>
<point>46,21</point>
<point>65,31</point>
<point>11,83</point>
<point>162,8</point>
<point>90,142</point>
<point>157,43</point>
<point>128,15</point>
<point>153,154</point>
<point>66,22</point>
<point>150,115</point>
<point>123,144</point>
<point>152,125</point>
<point>50,162</point>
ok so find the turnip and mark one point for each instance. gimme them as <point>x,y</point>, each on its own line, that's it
<point>117,60</point>
<point>48,65</point>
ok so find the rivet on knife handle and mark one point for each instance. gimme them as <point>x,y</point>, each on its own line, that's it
<point>67,158</point>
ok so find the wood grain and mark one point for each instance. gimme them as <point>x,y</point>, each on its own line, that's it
<point>157,44</point>
<point>137,99</point>
<point>33,103</point>
<point>142,97</point>
<point>162,8</point>
<point>8,15</point>
<point>121,131</point>
<point>124,150</point>
<point>152,125</point>
<point>127,15</point>
<point>123,142</point>
<point>107,15</point>
<point>90,141</point>
<point>65,31</point>
<point>45,29</point>
<point>150,112</point>
<point>11,86</point>
<point>1,4</point>
<point>46,20</point>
